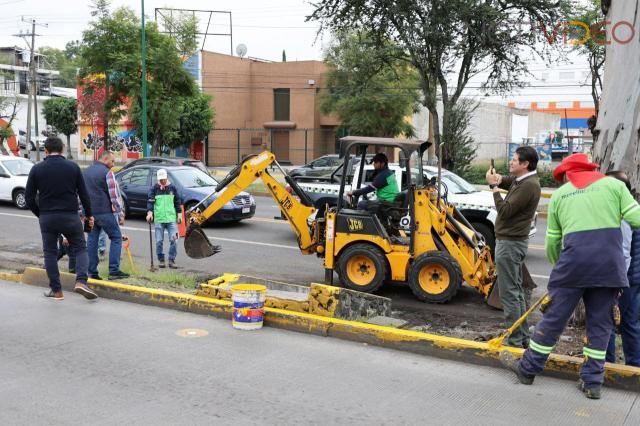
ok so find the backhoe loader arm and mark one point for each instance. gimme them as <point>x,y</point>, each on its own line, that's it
<point>244,175</point>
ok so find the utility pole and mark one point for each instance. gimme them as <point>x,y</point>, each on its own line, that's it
<point>33,86</point>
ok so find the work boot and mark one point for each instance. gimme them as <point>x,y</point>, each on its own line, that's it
<point>511,363</point>
<point>82,289</point>
<point>172,264</point>
<point>95,277</point>
<point>592,392</point>
<point>118,275</point>
<point>55,295</point>
<point>161,264</point>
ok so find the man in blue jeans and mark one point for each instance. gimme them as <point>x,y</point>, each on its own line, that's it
<point>163,207</point>
<point>57,183</point>
<point>629,301</point>
<point>100,183</point>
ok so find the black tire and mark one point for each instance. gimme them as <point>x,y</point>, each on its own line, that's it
<point>362,267</point>
<point>127,211</point>
<point>435,277</point>
<point>487,232</point>
<point>19,199</point>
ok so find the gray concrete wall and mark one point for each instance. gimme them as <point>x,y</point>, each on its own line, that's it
<point>617,145</point>
<point>542,122</point>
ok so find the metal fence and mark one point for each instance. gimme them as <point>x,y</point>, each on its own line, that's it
<point>291,146</point>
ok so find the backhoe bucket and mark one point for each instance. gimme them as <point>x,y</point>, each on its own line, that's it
<point>197,245</point>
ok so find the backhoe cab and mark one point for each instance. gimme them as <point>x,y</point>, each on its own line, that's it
<point>368,248</point>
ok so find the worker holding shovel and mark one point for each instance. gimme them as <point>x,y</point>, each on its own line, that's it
<point>163,208</point>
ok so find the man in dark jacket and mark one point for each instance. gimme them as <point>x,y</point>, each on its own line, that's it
<point>99,179</point>
<point>57,183</point>
<point>629,301</point>
<point>513,224</point>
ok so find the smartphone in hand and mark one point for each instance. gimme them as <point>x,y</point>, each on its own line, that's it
<point>493,166</point>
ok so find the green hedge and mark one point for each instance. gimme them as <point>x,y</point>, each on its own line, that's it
<point>475,174</point>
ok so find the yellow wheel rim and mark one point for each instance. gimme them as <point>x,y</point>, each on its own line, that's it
<point>361,270</point>
<point>434,279</point>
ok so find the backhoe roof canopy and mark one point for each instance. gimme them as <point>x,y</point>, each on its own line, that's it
<point>406,145</point>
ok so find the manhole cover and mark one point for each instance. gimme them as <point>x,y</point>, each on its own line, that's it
<point>192,332</point>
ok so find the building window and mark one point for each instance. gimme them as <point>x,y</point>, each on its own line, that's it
<point>281,98</point>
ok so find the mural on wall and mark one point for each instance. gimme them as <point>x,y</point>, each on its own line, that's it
<point>122,138</point>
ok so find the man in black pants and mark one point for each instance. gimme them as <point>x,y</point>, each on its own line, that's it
<point>58,182</point>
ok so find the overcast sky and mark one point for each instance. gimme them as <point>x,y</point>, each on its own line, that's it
<point>265,27</point>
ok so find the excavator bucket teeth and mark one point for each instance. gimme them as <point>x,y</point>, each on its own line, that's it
<point>197,245</point>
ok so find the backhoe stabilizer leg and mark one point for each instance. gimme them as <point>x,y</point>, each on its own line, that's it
<point>197,245</point>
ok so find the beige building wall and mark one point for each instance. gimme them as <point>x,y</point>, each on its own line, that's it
<point>243,98</point>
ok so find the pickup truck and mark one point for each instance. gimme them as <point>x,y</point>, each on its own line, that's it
<point>476,206</point>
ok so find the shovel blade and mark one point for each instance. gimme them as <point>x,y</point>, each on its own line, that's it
<point>493,299</point>
<point>197,245</point>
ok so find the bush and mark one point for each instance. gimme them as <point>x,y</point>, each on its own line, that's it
<point>475,174</point>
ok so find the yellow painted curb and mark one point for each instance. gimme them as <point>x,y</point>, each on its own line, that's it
<point>10,276</point>
<point>618,376</point>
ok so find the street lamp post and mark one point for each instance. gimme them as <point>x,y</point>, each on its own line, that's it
<point>145,144</point>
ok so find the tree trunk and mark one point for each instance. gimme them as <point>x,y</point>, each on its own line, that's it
<point>69,155</point>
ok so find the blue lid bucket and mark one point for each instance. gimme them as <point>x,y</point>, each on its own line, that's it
<point>248,306</point>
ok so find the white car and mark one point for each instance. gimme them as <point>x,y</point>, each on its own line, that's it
<point>13,179</point>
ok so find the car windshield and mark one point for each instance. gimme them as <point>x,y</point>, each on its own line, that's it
<point>18,167</point>
<point>455,184</point>
<point>193,178</point>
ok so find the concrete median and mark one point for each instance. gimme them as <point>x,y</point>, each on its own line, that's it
<point>566,367</point>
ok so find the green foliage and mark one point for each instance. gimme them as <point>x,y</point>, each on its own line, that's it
<point>371,93</point>
<point>62,114</point>
<point>168,86</point>
<point>111,47</point>
<point>449,41</point>
<point>475,174</point>
<point>459,148</point>
<point>183,28</point>
<point>110,55</point>
<point>65,61</point>
<point>196,119</point>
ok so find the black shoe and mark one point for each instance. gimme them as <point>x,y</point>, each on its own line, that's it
<point>510,362</point>
<point>95,277</point>
<point>161,264</point>
<point>172,265</point>
<point>117,275</point>
<point>592,392</point>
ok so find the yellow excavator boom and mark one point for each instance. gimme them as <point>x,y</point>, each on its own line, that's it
<point>243,175</point>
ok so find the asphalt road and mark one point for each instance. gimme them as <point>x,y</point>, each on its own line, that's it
<point>76,362</point>
<point>261,247</point>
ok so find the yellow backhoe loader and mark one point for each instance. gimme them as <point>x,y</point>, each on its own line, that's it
<point>434,254</point>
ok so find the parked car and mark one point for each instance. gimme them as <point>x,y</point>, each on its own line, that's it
<point>167,161</point>
<point>192,184</point>
<point>22,141</point>
<point>13,179</point>
<point>321,167</point>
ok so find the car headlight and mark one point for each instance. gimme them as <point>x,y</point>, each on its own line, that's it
<point>228,205</point>
<point>251,199</point>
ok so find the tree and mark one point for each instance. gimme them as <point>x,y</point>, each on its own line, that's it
<point>371,95</point>
<point>462,146</point>
<point>62,114</point>
<point>65,61</point>
<point>593,48</point>
<point>450,41</point>
<point>169,84</point>
<point>109,56</point>
<point>183,28</point>
<point>196,119</point>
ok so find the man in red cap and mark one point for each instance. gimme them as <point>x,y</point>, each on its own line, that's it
<point>584,243</point>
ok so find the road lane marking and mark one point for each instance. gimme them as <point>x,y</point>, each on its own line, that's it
<point>544,277</point>
<point>131,228</point>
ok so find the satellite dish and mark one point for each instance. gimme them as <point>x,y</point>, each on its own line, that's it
<point>241,50</point>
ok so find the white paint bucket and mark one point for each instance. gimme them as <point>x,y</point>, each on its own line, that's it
<point>248,306</point>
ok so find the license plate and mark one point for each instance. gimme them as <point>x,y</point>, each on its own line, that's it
<point>246,210</point>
